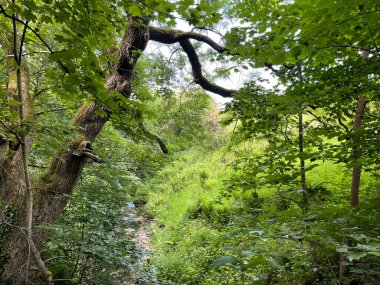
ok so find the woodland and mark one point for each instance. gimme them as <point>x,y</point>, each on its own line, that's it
<point>117,166</point>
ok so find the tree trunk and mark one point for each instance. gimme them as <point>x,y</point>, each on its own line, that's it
<point>12,176</point>
<point>357,169</point>
<point>301,142</point>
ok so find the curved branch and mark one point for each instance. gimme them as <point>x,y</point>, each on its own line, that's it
<point>173,36</point>
<point>270,66</point>
<point>154,137</point>
<point>343,125</point>
<point>183,38</point>
<point>197,71</point>
<point>208,29</point>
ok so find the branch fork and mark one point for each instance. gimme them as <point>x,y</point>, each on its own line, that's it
<point>85,149</point>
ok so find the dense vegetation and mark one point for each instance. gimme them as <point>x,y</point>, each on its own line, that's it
<point>102,137</point>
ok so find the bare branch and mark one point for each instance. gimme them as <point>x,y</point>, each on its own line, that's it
<point>197,71</point>
<point>183,38</point>
<point>37,52</point>
<point>37,93</point>
<point>22,42</point>
<point>343,125</point>
<point>154,137</point>
<point>12,132</point>
<point>85,150</point>
<point>173,36</point>
<point>372,37</point>
<point>170,57</point>
<point>36,165</point>
<point>92,156</point>
<point>317,118</point>
<point>270,66</point>
<point>208,29</point>
<point>52,110</point>
<point>15,19</point>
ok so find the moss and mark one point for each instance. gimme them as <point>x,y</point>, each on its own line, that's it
<point>45,183</point>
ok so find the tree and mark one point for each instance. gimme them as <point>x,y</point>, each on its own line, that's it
<point>323,37</point>
<point>81,73</point>
<point>335,45</point>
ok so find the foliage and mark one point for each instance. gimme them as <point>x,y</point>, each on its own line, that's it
<point>265,204</point>
<point>260,238</point>
<point>269,234</point>
<point>174,200</point>
<point>319,32</point>
<point>189,118</point>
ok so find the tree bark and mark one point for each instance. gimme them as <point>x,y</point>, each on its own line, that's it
<point>12,173</point>
<point>301,142</point>
<point>357,169</point>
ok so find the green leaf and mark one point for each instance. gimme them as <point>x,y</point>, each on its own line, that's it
<point>356,255</point>
<point>342,249</point>
<point>274,263</point>
<point>134,10</point>
<point>223,261</point>
<point>279,58</point>
<point>256,232</point>
<point>359,237</point>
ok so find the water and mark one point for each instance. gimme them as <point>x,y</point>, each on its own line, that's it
<point>137,228</point>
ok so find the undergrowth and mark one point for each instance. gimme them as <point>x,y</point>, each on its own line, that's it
<point>207,233</point>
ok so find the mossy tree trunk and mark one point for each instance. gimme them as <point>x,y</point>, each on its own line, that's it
<point>52,190</point>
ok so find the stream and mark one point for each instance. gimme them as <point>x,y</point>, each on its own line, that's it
<point>138,229</point>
